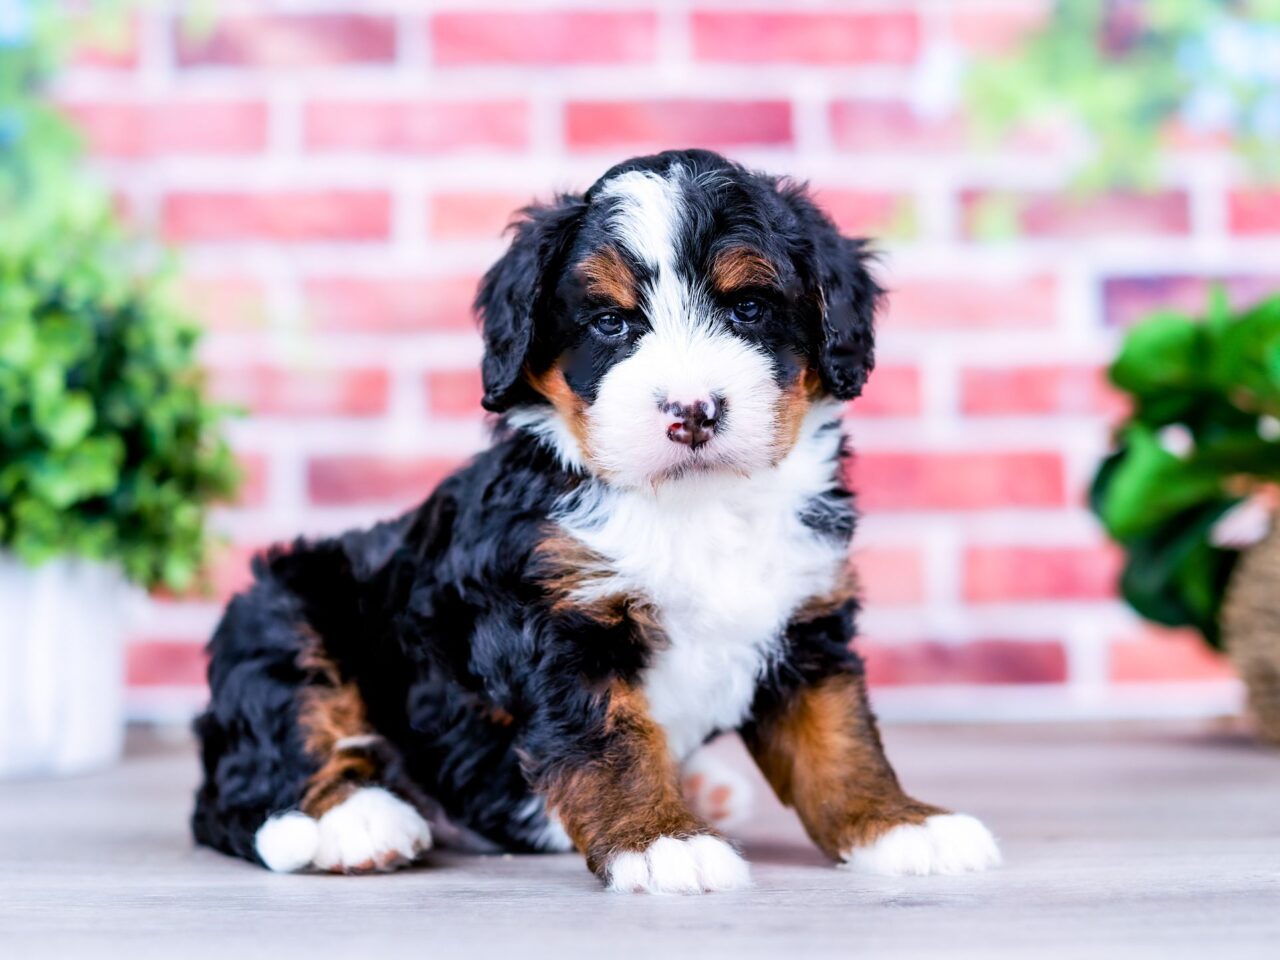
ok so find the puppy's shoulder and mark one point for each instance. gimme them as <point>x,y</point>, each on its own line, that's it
<point>492,510</point>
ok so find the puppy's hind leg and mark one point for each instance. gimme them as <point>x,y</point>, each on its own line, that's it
<point>295,775</point>
<point>355,797</point>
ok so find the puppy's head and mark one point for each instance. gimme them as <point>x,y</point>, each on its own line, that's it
<point>680,316</point>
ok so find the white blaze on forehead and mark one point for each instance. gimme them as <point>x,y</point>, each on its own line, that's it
<point>647,216</point>
<point>646,213</point>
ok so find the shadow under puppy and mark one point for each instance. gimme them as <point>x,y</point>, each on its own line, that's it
<point>652,551</point>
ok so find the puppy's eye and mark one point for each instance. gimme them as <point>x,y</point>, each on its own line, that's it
<point>747,310</point>
<point>610,326</point>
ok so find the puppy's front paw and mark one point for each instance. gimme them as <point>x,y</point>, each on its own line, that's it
<point>371,830</point>
<point>702,864</point>
<point>944,843</point>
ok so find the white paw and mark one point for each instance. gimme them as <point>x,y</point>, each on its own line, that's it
<point>716,791</point>
<point>944,843</point>
<point>370,830</point>
<point>287,842</point>
<point>703,864</point>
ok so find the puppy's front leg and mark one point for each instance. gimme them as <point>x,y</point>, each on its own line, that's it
<point>621,803</point>
<point>819,747</point>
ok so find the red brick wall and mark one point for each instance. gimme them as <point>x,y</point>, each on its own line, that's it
<point>339,176</point>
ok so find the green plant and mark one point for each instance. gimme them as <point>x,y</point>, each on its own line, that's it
<point>1126,71</point>
<point>1203,433</point>
<point>108,446</point>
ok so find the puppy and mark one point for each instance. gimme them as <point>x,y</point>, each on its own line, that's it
<point>653,551</point>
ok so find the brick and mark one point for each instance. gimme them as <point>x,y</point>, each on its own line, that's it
<point>543,38</point>
<point>165,663</point>
<point>1038,390</point>
<point>1002,574</point>
<point>927,663</point>
<point>998,31</point>
<point>1158,655</point>
<point>657,124</point>
<point>1253,212</point>
<point>284,41</point>
<point>274,391</point>
<point>474,215</point>
<point>1063,216</point>
<point>874,37</point>
<point>890,576</point>
<point>390,305</point>
<point>253,479</point>
<point>862,212</point>
<point>890,392</point>
<point>938,303</point>
<point>139,130</point>
<point>230,571</point>
<point>226,573</point>
<point>958,481</point>
<point>224,303</point>
<point>891,125</point>
<point>455,393</point>
<point>1126,300</point>
<point>283,217</point>
<point>426,126</point>
<point>343,480</point>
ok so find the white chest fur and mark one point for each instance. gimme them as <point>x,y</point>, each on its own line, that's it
<point>725,560</point>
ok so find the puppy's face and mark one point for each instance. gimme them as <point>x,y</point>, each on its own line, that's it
<point>679,317</point>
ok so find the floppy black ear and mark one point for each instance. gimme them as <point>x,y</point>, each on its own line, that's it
<point>514,290</point>
<point>845,297</point>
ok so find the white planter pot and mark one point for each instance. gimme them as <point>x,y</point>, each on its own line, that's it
<point>62,631</point>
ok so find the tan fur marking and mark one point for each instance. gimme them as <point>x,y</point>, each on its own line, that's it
<point>609,278</point>
<point>821,752</point>
<point>332,711</point>
<point>793,407</point>
<point>629,795</point>
<point>742,267</point>
<point>568,404</point>
<point>847,587</point>
<point>568,569</point>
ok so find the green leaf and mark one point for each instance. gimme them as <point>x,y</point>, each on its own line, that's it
<point>17,340</point>
<point>1243,364</point>
<point>65,419</point>
<point>1165,352</point>
<point>1147,485</point>
<point>1173,576</point>
<point>63,478</point>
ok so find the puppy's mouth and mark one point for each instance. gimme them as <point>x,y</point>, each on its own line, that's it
<point>706,458</point>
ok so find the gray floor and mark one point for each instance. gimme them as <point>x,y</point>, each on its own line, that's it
<point>1132,841</point>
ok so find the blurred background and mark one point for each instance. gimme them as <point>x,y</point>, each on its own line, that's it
<point>336,176</point>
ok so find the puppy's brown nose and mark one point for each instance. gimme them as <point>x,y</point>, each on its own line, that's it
<point>692,424</point>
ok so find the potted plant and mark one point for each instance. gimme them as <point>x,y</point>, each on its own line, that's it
<point>109,449</point>
<point>1191,484</point>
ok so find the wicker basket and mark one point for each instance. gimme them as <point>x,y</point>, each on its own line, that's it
<point>1251,629</point>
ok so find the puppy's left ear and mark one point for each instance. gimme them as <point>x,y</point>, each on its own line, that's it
<point>514,293</point>
<point>845,297</point>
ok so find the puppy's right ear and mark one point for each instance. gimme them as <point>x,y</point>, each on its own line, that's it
<point>515,290</point>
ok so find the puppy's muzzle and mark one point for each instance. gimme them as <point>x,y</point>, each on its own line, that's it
<point>693,423</point>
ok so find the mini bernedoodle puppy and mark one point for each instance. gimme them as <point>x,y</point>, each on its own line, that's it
<point>653,551</point>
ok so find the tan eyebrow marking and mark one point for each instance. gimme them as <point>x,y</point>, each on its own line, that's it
<point>609,278</point>
<point>742,267</point>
